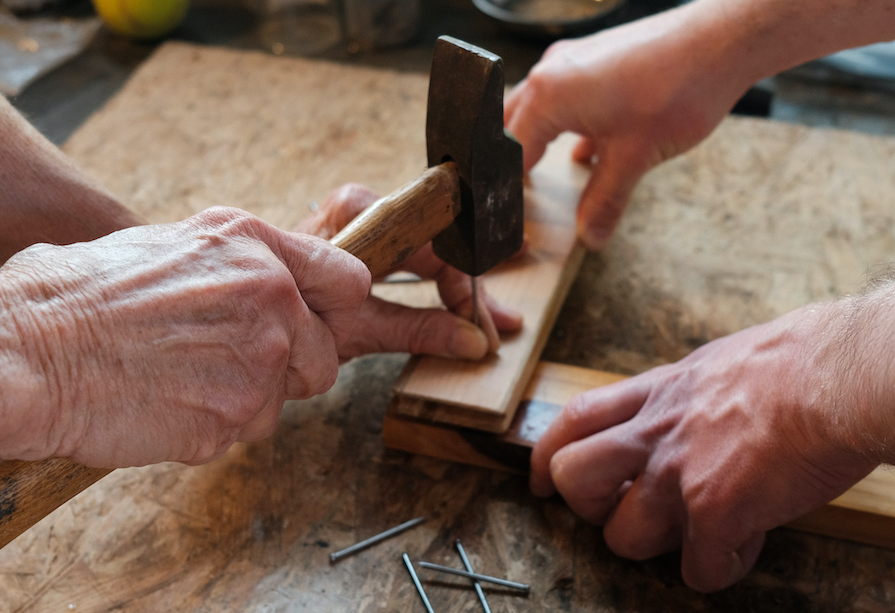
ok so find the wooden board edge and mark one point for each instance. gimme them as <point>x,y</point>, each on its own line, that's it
<point>849,525</point>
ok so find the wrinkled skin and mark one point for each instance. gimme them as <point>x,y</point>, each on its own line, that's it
<point>171,342</point>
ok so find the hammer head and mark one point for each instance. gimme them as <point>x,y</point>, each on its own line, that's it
<point>464,124</point>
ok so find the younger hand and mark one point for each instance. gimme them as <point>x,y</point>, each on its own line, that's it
<point>638,94</point>
<point>388,327</point>
<point>707,454</point>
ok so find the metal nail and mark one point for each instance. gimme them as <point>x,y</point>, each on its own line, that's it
<point>476,584</point>
<point>462,573</point>
<point>416,582</point>
<point>338,555</point>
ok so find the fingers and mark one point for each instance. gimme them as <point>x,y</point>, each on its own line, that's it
<point>525,120</point>
<point>606,196</point>
<point>264,424</point>
<point>647,520</point>
<point>590,474</point>
<point>455,290</point>
<point>453,338</point>
<point>388,327</point>
<point>586,414</point>
<point>337,210</point>
<point>585,150</point>
<point>332,282</point>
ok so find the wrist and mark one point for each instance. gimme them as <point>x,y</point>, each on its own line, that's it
<point>37,362</point>
<point>750,40</point>
<point>863,364</point>
<point>26,391</point>
<point>46,197</point>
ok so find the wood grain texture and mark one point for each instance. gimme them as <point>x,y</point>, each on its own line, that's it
<point>29,491</point>
<point>762,218</point>
<point>484,394</point>
<point>388,232</point>
<point>199,126</point>
<point>398,225</point>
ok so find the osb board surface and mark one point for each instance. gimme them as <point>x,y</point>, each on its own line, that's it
<point>252,531</point>
<point>760,219</point>
<point>197,127</point>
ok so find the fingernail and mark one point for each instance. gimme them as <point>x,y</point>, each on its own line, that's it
<point>593,237</point>
<point>468,342</point>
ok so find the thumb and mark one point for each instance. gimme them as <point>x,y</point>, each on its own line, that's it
<point>386,327</point>
<point>607,194</point>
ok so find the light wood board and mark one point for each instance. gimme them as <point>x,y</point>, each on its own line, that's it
<point>485,394</point>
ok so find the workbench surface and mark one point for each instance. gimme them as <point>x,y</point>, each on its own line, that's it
<point>253,531</point>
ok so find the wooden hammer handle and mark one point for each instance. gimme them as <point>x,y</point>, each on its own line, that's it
<point>29,491</point>
<point>388,232</point>
<point>395,227</point>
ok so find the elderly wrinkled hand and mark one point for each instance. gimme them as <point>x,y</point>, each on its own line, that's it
<point>172,342</point>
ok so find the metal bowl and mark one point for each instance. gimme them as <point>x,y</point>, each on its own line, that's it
<point>550,18</point>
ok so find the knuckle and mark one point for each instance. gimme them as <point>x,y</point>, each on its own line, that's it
<point>229,220</point>
<point>577,413</point>
<point>320,379</point>
<point>314,376</point>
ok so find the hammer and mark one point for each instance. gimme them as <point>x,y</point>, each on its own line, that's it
<point>469,204</point>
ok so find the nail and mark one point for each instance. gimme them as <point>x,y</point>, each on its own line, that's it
<point>476,584</point>
<point>335,557</point>
<point>462,573</point>
<point>416,582</point>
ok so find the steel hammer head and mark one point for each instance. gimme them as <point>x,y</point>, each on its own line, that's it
<point>464,124</point>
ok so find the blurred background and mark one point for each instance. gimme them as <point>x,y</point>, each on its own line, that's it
<point>60,61</point>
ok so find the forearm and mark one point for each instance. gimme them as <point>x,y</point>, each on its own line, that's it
<point>754,39</point>
<point>44,197</point>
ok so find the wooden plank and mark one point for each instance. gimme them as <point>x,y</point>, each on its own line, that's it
<point>484,394</point>
<point>549,388</point>
<point>865,513</point>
